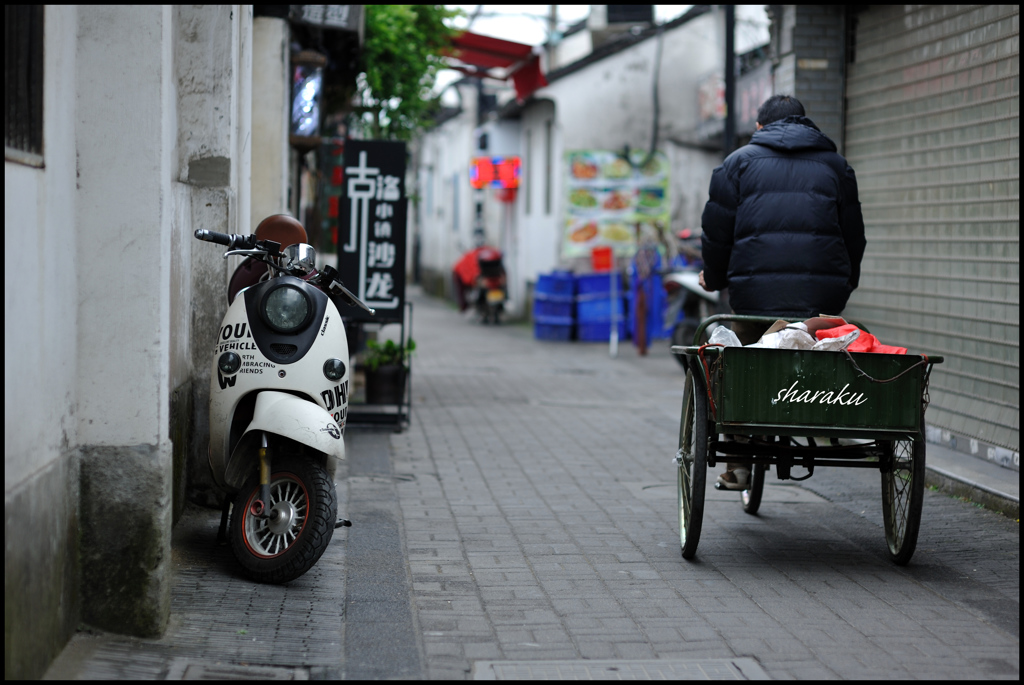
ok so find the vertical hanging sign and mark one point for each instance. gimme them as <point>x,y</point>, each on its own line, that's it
<point>372,235</point>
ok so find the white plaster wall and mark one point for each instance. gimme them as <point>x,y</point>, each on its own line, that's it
<point>40,307</point>
<point>269,118</point>
<point>126,140</point>
<point>445,152</point>
<point>538,229</point>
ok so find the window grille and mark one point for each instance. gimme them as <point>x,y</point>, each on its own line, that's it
<point>23,80</point>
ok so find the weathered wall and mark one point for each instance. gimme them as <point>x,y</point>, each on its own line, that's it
<point>126,138</point>
<point>270,98</point>
<point>41,605</point>
<point>146,117</point>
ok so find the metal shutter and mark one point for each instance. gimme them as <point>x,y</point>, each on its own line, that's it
<point>932,132</point>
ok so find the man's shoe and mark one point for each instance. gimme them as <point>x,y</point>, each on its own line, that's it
<point>735,479</point>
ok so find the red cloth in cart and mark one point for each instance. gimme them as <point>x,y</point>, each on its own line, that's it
<point>865,342</point>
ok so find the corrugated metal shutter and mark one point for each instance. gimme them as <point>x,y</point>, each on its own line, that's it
<point>933,135</point>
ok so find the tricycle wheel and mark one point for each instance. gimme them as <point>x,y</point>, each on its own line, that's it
<point>903,496</point>
<point>751,497</point>
<point>303,508</point>
<point>693,464</point>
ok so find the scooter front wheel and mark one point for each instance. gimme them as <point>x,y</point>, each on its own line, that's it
<point>302,509</point>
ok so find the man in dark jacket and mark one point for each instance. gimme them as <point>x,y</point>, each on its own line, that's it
<point>782,227</point>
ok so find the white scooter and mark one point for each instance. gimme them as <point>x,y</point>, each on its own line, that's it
<point>278,403</point>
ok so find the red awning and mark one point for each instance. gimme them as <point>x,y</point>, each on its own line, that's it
<point>477,55</point>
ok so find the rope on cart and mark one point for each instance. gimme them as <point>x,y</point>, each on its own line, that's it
<point>862,372</point>
<point>707,377</point>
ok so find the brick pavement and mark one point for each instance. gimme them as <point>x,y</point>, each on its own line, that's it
<point>534,500</point>
<point>540,523</point>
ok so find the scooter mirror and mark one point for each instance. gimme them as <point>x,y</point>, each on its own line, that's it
<point>300,257</point>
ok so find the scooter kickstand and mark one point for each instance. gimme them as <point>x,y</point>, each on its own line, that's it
<point>222,534</point>
<point>342,523</point>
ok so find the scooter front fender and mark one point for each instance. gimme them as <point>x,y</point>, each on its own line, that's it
<point>291,417</point>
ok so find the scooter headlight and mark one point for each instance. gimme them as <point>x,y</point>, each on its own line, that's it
<point>287,309</point>
<point>334,369</point>
<point>229,363</point>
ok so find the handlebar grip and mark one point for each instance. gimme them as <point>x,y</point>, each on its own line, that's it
<point>214,237</point>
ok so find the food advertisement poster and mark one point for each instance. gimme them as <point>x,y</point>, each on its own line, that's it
<point>609,196</point>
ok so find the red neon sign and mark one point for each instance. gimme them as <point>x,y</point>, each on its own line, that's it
<point>497,172</point>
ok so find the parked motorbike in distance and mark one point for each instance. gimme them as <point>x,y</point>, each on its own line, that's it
<point>278,401</point>
<point>491,286</point>
<point>688,303</point>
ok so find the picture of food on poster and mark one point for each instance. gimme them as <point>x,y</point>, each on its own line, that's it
<point>609,196</point>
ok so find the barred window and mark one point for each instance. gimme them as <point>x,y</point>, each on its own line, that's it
<point>23,83</point>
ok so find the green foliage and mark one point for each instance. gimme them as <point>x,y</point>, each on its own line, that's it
<point>401,56</point>
<point>388,353</point>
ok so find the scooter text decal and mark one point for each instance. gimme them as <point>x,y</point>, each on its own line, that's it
<point>337,398</point>
<point>793,394</point>
<point>239,330</point>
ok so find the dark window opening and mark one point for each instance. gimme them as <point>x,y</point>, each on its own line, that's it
<point>23,78</point>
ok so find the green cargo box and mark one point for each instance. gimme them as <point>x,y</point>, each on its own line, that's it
<point>805,393</point>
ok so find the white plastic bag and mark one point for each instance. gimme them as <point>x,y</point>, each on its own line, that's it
<point>723,336</point>
<point>781,336</point>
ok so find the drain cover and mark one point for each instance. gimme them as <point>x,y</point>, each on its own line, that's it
<point>614,669</point>
<point>188,669</point>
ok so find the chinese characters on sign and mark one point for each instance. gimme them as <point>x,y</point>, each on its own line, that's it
<point>371,239</point>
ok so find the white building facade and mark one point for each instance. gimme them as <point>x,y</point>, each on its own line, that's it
<point>604,99</point>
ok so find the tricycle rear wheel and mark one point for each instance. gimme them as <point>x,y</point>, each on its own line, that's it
<point>693,464</point>
<point>903,496</point>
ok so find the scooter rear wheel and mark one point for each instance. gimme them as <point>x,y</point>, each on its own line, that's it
<point>303,507</point>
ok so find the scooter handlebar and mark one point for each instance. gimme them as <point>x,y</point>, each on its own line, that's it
<point>232,241</point>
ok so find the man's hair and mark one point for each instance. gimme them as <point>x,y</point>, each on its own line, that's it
<point>778,107</point>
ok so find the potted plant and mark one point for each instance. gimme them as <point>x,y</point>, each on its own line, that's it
<point>386,370</point>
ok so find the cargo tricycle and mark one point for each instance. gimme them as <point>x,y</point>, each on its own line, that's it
<point>800,409</point>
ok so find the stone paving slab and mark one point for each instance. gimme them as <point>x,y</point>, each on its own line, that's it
<point>550,464</point>
<point>598,669</point>
<point>527,520</point>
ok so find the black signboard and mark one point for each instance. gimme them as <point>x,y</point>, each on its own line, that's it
<point>372,230</point>
<point>345,17</point>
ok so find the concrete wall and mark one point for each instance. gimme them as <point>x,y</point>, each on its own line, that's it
<point>146,118</point>
<point>270,95</point>
<point>41,603</point>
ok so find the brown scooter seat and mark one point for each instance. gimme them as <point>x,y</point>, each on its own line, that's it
<point>280,228</point>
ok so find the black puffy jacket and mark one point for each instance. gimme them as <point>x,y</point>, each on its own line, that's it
<point>782,226</point>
